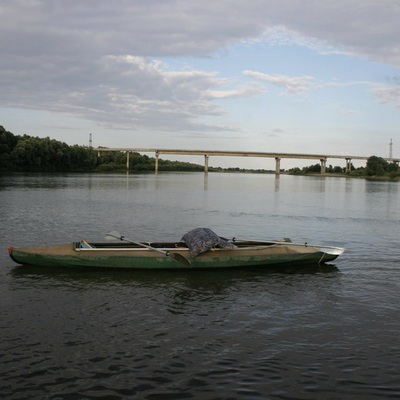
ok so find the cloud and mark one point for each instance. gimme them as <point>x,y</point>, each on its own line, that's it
<point>125,92</point>
<point>291,85</point>
<point>243,91</point>
<point>274,133</point>
<point>388,94</point>
<point>155,28</point>
<point>301,85</point>
<point>363,28</point>
<point>100,60</point>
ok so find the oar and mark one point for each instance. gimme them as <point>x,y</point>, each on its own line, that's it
<point>176,256</point>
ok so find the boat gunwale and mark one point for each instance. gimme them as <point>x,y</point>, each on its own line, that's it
<point>261,246</point>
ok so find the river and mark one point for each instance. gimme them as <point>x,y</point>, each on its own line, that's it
<point>328,332</point>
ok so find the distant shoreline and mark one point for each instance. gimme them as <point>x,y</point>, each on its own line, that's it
<point>219,171</point>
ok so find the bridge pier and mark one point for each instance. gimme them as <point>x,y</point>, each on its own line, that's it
<point>323,166</point>
<point>277,165</point>
<point>156,162</point>
<point>348,165</point>
<point>206,157</point>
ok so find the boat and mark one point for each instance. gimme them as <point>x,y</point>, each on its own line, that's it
<point>216,253</point>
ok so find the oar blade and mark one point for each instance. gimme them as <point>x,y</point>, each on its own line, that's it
<point>179,258</point>
<point>113,235</point>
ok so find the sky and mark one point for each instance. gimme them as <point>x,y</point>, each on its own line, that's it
<point>290,76</point>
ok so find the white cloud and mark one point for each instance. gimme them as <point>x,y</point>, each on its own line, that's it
<point>301,85</point>
<point>126,92</point>
<point>388,94</point>
<point>291,85</point>
<point>364,28</point>
<point>244,91</point>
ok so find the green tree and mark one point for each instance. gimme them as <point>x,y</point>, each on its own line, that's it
<point>376,166</point>
<point>392,167</point>
<point>7,144</point>
<point>316,168</point>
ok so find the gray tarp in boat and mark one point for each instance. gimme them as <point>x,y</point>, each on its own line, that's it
<point>200,240</point>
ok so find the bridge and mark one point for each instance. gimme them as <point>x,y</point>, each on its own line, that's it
<point>322,158</point>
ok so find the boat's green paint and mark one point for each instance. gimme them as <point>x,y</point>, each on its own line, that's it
<point>69,255</point>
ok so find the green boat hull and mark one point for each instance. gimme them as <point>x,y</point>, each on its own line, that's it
<point>71,255</point>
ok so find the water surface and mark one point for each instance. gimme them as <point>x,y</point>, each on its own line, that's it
<point>328,332</point>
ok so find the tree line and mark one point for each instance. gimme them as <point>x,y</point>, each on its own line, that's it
<point>375,166</point>
<point>34,154</point>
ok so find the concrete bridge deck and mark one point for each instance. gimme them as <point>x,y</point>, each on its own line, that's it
<point>208,153</point>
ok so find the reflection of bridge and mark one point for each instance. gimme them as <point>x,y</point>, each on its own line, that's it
<point>207,153</point>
